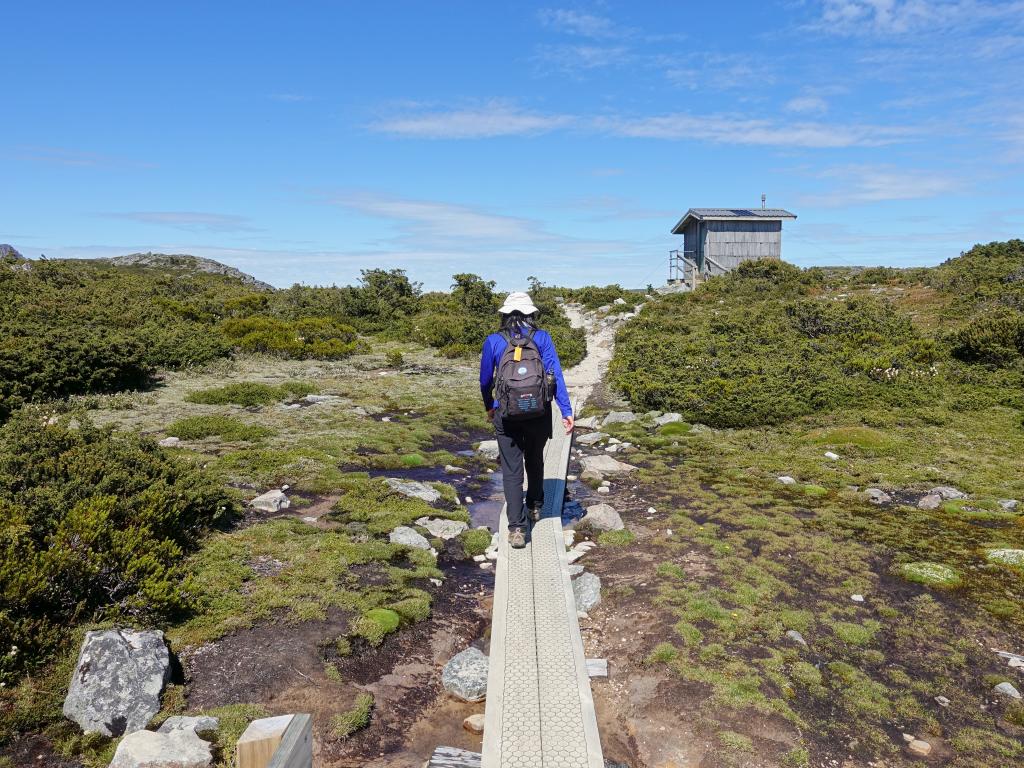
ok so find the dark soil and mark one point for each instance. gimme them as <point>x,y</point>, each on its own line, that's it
<point>37,752</point>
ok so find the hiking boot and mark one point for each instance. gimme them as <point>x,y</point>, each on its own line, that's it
<point>534,510</point>
<point>517,538</point>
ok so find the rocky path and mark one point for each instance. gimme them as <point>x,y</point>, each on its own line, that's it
<point>589,373</point>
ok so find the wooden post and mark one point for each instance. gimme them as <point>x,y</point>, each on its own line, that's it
<point>277,742</point>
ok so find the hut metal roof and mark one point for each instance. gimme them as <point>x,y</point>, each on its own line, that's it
<point>734,214</point>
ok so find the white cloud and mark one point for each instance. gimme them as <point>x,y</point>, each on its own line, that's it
<point>807,105</point>
<point>430,223</point>
<point>904,17</point>
<point>873,184</point>
<point>574,59</point>
<point>190,221</point>
<point>721,129</point>
<point>715,71</point>
<point>578,23</point>
<point>495,118</point>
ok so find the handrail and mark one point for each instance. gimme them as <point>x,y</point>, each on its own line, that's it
<point>296,747</point>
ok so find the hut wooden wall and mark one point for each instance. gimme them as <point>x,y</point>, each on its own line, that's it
<point>732,242</point>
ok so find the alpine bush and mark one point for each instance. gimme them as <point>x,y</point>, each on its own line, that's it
<point>93,526</point>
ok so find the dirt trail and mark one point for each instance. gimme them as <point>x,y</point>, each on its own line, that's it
<point>583,378</point>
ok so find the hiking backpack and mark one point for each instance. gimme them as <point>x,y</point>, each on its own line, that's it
<point>520,386</point>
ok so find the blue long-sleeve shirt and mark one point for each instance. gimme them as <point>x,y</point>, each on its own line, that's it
<point>494,348</point>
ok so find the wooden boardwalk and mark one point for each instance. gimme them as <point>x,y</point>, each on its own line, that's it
<point>540,711</point>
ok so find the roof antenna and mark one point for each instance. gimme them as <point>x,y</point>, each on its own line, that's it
<point>763,198</point>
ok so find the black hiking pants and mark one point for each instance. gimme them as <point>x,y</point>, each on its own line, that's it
<point>521,445</point>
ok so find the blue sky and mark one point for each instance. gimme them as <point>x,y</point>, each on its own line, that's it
<point>304,141</point>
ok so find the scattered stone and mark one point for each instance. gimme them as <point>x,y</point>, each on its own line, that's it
<point>202,724</point>
<point>620,301</point>
<point>832,455</point>
<point>465,675</point>
<point>857,598</point>
<point>619,417</point>
<point>1006,556</point>
<point>591,438</point>
<point>908,737</point>
<point>701,429</point>
<point>385,419</point>
<point>413,489</point>
<point>604,489</point>
<point>942,701</point>
<point>667,418</point>
<point>492,555</point>
<point>878,496</point>
<point>597,667</point>
<point>606,483</point>
<point>603,517</point>
<point>486,566</point>
<point>441,528</point>
<point>919,748</point>
<point>118,680</point>
<point>488,449</point>
<point>590,422</point>
<point>930,501</point>
<point>451,469</point>
<point>570,478</point>
<point>1006,689</point>
<point>574,570</point>
<point>436,582</point>
<point>568,536</point>
<point>315,399</point>
<point>156,749</point>
<point>796,637</point>
<point>169,442</point>
<point>587,590</point>
<point>408,537</point>
<point>479,558</point>
<point>786,480</point>
<point>1010,505</point>
<point>948,492</point>
<point>271,501</point>
<point>474,723</point>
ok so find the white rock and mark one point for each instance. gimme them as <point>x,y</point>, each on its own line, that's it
<point>1007,690</point>
<point>857,598</point>
<point>441,528</point>
<point>486,566</point>
<point>465,675</point>
<point>451,469</point>
<point>948,492</point>
<point>786,480</point>
<point>474,723</point>
<point>587,590</point>
<point>1010,505</point>
<point>831,455</point>
<point>488,449</point>
<point>667,418</point>
<point>469,499</point>
<point>930,501</point>
<point>920,748</point>
<point>271,501</point>
<point>201,724</point>
<point>153,749</point>
<point>408,537</point>
<point>591,438</point>
<point>942,701</point>
<point>604,517</point>
<point>878,496</point>
<point>796,637</point>
<point>619,417</point>
<point>479,558</point>
<point>604,489</point>
<point>414,489</point>
<point>169,442</point>
<point>590,422</point>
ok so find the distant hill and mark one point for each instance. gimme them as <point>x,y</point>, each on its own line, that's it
<point>184,261</point>
<point>9,253</point>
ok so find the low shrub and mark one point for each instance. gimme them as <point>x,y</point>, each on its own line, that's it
<point>376,624</point>
<point>475,541</point>
<point>96,527</point>
<point>356,718</point>
<point>308,338</point>
<point>250,393</point>
<point>199,427</point>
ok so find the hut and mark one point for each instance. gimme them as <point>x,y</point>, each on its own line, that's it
<point>717,240</point>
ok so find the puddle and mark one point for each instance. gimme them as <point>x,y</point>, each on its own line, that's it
<point>486,507</point>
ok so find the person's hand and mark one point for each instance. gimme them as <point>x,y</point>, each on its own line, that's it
<point>568,422</point>
<point>490,414</point>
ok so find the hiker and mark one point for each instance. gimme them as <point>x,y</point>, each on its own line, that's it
<point>519,377</point>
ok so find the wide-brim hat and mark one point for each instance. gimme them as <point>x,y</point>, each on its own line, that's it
<point>518,302</point>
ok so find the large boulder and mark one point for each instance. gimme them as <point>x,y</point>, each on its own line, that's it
<point>604,465</point>
<point>465,676</point>
<point>667,418</point>
<point>591,437</point>
<point>488,449</point>
<point>603,517</point>
<point>180,748</point>
<point>441,528</point>
<point>586,588</point>
<point>414,489</point>
<point>408,537</point>
<point>271,501</point>
<point>118,680</point>
<point>948,492</point>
